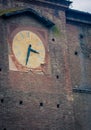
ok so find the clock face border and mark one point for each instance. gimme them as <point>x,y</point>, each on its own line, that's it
<point>42,34</point>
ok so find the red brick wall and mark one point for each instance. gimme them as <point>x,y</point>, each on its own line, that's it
<point>80,71</point>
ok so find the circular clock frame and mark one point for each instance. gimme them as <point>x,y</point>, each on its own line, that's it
<point>40,65</point>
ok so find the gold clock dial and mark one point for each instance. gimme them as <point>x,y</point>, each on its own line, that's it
<point>28,49</point>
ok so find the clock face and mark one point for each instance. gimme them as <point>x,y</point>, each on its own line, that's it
<point>27,50</point>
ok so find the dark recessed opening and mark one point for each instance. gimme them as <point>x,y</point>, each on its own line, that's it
<point>21,102</point>
<point>53,39</point>
<point>4,129</point>
<point>2,100</point>
<point>57,76</point>
<point>41,104</point>
<point>58,105</point>
<point>76,53</point>
<point>81,36</point>
<point>0,69</point>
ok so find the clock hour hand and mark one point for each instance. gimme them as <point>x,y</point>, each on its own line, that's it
<point>28,54</point>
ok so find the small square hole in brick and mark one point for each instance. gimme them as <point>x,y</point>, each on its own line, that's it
<point>41,104</point>
<point>57,76</point>
<point>76,53</point>
<point>4,129</point>
<point>2,100</point>
<point>81,36</point>
<point>21,102</point>
<point>88,56</point>
<point>53,39</point>
<point>58,105</point>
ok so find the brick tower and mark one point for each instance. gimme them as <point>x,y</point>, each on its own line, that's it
<point>36,74</point>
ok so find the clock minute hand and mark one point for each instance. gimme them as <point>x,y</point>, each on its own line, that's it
<point>32,50</point>
<point>28,54</point>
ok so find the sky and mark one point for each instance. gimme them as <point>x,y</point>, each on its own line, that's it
<point>82,5</point>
